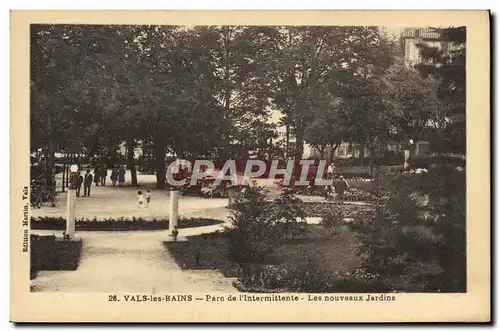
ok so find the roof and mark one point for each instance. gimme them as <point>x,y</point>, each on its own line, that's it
<point>425,33</point>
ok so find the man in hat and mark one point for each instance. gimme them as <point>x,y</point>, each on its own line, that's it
<point>340,187</point>
<point>87,183</point>
<point>79,182</point>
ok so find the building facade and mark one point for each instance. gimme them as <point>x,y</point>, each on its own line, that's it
<point>411,38</point>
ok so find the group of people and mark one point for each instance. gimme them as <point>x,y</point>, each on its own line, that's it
<point>98,177</point>
<point>143,199</point>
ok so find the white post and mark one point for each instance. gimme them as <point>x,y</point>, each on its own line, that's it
<point>70,218</point>
<point>174,209</point>
<point>407,156</point>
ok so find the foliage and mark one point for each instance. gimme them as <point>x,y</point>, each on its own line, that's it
<point>288,214</point>
<point>306,277</point>
<point>119,224</point>
<point>447,67</point>
<point>258,225</point>
<point>306,66</point>
<point>253,234</point>
<point>332,220</point>
<point>48,253</point>
<point>41,192</point>
<point>416,242</point>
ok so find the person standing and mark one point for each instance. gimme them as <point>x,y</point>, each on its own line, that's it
<point>331,169</point>
<point>79,182</point>
<point>340,187</point>
<point>140,199</point>
<point>104,174</point>
<point>114,176</point>
<point>87,183</point>
<point>97,176</point>
<point>148,196</point>
<point>121,176</point>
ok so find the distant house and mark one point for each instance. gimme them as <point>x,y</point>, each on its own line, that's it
<point>411,38</point>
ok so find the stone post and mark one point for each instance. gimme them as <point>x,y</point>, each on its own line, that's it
<point>174,208</point>
<point>71,203</point>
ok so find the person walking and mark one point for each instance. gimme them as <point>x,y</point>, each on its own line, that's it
<point>114,176</point>
<point>87,183</point>
<point>79,182</point>
<point>104,174</point>
<point>97,176</point>
<point>121,176</point>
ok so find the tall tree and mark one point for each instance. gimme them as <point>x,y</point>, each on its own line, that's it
<point>447,66</point>
<point>304,62</point>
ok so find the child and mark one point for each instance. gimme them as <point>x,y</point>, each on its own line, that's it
<point>140,199</point>
<point>175,233</point>
<point>148,196</point>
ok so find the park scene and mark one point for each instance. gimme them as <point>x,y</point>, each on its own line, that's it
<point>120,115</point>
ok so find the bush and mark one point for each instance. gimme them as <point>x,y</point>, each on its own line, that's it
<point>51,253</point>
<point>120,224</point>
<point>416,241</point>
<point>253,235</point>
<point>289,214</point>
<point>41,192</point>
<point>309,277</point>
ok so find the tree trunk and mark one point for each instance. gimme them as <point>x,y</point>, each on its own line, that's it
<point>49,160</point>
<point>160,149</point>
<point>371,161</point>
<point>64,173</point>
<point>334,148</point>
<point>299,151</point>
<point>321,153</point>
<point>287,144</point>
<point>270,149</point>
<point>362,152</point>
<point>131,161</point>
<point>68,165</point>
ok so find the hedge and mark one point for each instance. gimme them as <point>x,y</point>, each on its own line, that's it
<point>120,224</point>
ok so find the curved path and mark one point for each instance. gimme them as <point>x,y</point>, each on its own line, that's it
<point>131,262</point>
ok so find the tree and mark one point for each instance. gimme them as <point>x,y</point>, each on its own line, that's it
<point>447,66</point>
<point>413,97</point>
<point>253,235</point>
<point>289,214</point>
<point>240,87</point>
<point>307,67</point>
<point>326,129</point>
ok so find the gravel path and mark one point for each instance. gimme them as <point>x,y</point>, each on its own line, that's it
<point>131,262</point>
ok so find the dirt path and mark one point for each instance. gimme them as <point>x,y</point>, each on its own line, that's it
<point>131,262</point>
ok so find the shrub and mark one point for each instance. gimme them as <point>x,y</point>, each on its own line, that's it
<point>308,277</point>
<point>119,224</point>
<point>41,192</point>
<point>253,235</point>
<point>416,241</point>
<point>51,253</point>
<point>289,214</point>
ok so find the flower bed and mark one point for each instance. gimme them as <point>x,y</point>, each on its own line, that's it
<point>321,209</point>
<point>356,193</point>
<point>51,253</point>
<point>120,224</point>
<point>308,277</point>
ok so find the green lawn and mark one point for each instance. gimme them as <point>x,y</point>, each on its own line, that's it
<point>334,249</point>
